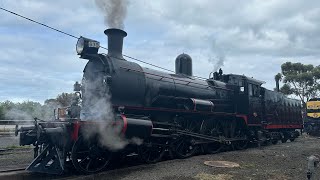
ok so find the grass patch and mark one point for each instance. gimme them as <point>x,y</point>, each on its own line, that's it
<point>249,165</point>
<point>18,147</point>
<point>3,130</point>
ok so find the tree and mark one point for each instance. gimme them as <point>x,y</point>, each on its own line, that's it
<point>62,100</point>
<point>286,89</point>
<point>28,110</point>
<point>51,102</point>
<point>5,107</point>
<point>1,112</point>
<point>301,80</point>
<point>65,99</point>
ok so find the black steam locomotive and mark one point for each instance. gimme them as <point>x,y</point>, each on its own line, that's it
<point>123,107</point>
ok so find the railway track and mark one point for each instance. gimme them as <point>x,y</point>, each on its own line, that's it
<point>129,162</point>
<point>11,170</point>
<point>13,173</point>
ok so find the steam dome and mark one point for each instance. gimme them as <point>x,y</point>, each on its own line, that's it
<point>184,64</point>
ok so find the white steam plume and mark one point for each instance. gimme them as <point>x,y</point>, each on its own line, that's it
<point>18,114</point>
<point>218,61</point>
<point>27,111</point>
<point>114,11</point>
<point>97,107</point>
<point>219,52</point>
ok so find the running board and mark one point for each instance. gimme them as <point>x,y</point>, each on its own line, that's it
<point>220,139</point>
<point>50,161</point>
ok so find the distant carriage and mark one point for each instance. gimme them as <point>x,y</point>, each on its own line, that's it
<point>312,119</point>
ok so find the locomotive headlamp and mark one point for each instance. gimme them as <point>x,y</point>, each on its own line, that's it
<point>87,46</point>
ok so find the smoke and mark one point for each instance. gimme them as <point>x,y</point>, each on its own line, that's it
<point>114,11</point>
<point>48,110</point>
<point>97,107</point>
<point>17,114</point>
<point>136,141</point>
<point>218,61</point>
<point>218,54</point>
<point>29,110</point>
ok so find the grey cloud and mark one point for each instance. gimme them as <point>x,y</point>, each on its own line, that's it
<point>262,27</point>
<point>36,70</point>
<point>255,36</point>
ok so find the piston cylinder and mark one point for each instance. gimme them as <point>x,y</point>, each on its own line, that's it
<point>139,128</point>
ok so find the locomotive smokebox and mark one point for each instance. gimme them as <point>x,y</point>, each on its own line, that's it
<point>184,64</point>
<point>115,42</point>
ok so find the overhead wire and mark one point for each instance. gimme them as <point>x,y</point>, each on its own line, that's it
<point>130,57</point>
<point>42,24</point>
<point>73,36</point>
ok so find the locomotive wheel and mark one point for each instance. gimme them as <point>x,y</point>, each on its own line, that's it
<point>274,141</point>
<point>88,157</point>
<point>292,139</point>
<point>212,128</point>
<point>240,132</point>
<point>213,148</point>
<point>151,153</point>
<point>284,139</point>
<point>188,125</point>
<point>184,147</point>
<point>242,144</point>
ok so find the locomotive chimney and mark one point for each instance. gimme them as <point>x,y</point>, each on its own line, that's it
<point>115,42</point>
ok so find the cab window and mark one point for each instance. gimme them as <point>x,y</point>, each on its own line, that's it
<point>253,90</point>
<point>250,90</point>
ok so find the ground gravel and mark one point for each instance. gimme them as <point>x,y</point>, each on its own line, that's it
<point>8,141</point>
<point>273,162</point>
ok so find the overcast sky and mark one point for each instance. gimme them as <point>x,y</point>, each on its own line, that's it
<point>255,37</point>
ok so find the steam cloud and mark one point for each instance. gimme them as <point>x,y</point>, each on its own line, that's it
<point>219,51</point>
<point>96,100</point>
<point>218,62</point>
<point>114,12</point>
<point>17,114</point>
<point>97,107</point>
<point>44,112</point>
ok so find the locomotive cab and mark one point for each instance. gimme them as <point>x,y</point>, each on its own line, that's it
<point>263,108</point>
<point>248,95</point>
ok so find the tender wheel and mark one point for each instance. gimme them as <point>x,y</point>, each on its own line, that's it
<point>274,141</point>
<point>284,140</point>
<point>184,147</point>
<point>241,144</point>
<point>212,128</point>
<point>88,157</point>
<point>151,153</point>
